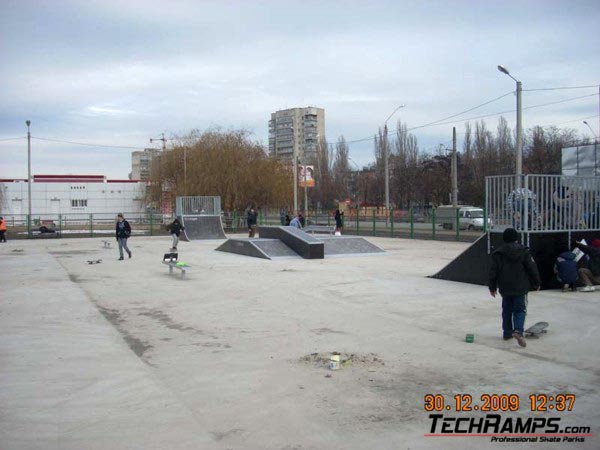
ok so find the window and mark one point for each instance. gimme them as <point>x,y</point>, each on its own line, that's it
<point>78,203</point>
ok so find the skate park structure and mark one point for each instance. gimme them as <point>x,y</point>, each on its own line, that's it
<point>550,212</point>
<point>200,217</point>
<point>284,242</point>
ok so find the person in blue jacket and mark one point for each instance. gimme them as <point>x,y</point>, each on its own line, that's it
<point>566,270</point>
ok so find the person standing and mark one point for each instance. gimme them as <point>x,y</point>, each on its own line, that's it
<point>513,272</point>
<point>252,219</point>
<point>123,231</point>
<point>339,224</point>
<point>287,220</point>
<point>302,220</point>
<point>590,275</point>
<point>175,229</point>
<point>2,229</point>
<point>296,223</point>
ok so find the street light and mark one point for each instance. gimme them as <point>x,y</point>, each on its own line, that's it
<point>591,129</point>
<point>519,169</point>
<point>28,123</point>
<point>386,160</point>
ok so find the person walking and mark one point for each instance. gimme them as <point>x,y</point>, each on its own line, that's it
<point>175,229</point>
<point>123,231</point>
<point>252,219</point>
<point>302,220</point>
<point>2,229</point>
<point>287,220</point>
<point>513,272</point>
<point>339,224</point>
<point>590,275</point>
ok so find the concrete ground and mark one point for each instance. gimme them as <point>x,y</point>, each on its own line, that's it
<point>121,355</point>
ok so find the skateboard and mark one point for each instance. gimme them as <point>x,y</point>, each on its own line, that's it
<point>94,261</point>
<point>171,257</point>
<point>536,330</point>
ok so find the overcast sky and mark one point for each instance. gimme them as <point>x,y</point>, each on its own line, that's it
<point>121,72</point>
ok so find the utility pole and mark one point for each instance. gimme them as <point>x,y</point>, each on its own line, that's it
<point>386,162</point>
<point>295,168</point>
<point>29,180</point>
<point>305,188</point>
<point>454,170</point>
<point>162,138</point>
<point>519,132</point>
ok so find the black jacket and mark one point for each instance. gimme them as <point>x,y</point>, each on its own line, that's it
<point>513,270</point>
<point>594,254</point>
<point>251,218</point>
<point>175,228</point>
<point>124,232</point>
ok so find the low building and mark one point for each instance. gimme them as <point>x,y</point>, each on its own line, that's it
<point>54,195</point>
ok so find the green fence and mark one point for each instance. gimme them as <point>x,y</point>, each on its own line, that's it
<point>82,225</point>
<point>399,223</point>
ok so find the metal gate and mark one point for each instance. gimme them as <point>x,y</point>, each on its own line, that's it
<point>542,203</point>
<point>198,206</point>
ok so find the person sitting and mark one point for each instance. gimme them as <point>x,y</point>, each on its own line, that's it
<point>590,275</point>
<point>565,269</point>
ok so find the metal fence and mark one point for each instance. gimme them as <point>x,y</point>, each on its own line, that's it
<point>82,225</point>
<point>543,203</point>
<point>207,205</point>
<point>401,223</point>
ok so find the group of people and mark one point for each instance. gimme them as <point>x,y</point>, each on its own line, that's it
<point>298,221</point>
<point>514,273</point>
<point>572,270</point>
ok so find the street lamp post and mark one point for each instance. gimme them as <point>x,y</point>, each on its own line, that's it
<point>519,164</point>
<point>295,161</point>
<point>28,123</point>
<point>591,129</point>
<point>386,161</point>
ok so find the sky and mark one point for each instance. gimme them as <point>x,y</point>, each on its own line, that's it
<point>118,73</point>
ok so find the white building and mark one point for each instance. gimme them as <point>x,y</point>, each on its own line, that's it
<point>296,132</point>
<point>52,195</point>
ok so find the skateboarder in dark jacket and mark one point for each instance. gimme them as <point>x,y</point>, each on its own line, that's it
<point>252,219</point>
<point>123,231</point>
<point>514,272</point>
<point>175,229</point>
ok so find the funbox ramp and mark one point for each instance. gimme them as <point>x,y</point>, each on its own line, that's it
<point>285,242</point>
<point>201,227</point>
<point>473,265</point>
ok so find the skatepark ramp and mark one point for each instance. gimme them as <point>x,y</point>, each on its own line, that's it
<point>201,227</point>
<point>473,265</point>
<point>290,242</point>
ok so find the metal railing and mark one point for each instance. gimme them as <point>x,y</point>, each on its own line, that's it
<point>543,203</point>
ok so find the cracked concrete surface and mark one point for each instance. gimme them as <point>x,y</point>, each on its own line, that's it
<point>122,355</point>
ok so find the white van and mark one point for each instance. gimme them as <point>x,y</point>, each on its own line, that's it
<point>469,217</point>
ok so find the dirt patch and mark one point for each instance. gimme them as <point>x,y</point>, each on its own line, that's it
<point>321,331</point>
<point>167,321</point>
<point>322,360</point>
<point>138,346</point>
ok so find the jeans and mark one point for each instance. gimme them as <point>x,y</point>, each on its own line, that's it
<point>123,245</point>
<point>514,310</point>
<point>175,240</point>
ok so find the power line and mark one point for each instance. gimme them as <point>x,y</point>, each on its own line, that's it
<point>13,139</point>
<point>561,88</point>
<point>511,111</point>
<point>463,112</point>
<point>86,143</point>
